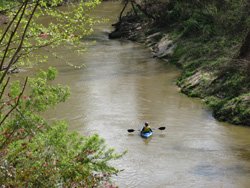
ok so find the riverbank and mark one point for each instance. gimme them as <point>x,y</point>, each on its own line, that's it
<point>215,67</point>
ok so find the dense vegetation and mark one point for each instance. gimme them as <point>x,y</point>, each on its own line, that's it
<point>211,42</point>
<point>34,152</point>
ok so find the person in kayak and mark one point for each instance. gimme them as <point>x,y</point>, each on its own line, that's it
<point>146,128</point>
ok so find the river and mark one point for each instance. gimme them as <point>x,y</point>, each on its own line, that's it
<point>121,87</point>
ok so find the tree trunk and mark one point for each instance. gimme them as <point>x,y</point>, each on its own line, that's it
<point>123,9</point>
<point>245,48</point>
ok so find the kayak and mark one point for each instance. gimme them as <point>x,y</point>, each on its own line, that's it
<point>146,135</point>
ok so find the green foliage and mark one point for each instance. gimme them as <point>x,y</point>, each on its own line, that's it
<point>34,152</point>
<point>15,89</point>
<point>58,158</point>
<point>197,17</point>
<point>42,96</point>
<point>68,25</point>
<point>208,36</point>
<point>236,110</point>
<point>6,4</point>
<point>214,103</point>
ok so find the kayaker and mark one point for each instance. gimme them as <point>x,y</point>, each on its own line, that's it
<point>146,128</point>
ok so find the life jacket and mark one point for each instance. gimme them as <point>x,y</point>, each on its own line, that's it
<point>146,129</point>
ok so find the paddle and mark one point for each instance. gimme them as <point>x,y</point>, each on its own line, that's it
<point>161,128</point>
<point>132,130</point>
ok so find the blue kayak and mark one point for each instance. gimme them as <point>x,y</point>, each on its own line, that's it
<point>146,134</point>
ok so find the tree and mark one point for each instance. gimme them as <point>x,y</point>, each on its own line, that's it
<point>33,152</point>
<point>152,9</point>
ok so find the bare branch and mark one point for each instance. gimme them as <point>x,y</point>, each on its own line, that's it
<point>4,87</point>
<point>12,35</point>
<point>123,9</point>
<point>17,103</point>
<point>11,22</point>
<point>14,57</point>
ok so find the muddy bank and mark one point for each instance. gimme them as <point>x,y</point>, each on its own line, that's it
<point>223,85</point>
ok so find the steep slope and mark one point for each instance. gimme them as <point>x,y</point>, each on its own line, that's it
<point>209,41</point>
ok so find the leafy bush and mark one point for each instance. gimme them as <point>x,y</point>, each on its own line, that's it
<point>55,157</point>
<point>33,152</point>
<point>37,154</point>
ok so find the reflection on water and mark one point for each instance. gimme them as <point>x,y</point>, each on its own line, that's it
<point>146,140</point>
<point>121,87</point>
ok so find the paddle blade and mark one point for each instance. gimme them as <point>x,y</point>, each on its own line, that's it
<point>131,130</point>
<point>162,128</point>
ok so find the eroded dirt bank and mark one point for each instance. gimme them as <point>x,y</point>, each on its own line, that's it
<point>220,75</point>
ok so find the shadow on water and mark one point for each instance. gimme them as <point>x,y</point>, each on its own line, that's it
<point>131,135</point>
<point>147,140</point>
<point>242,153</point>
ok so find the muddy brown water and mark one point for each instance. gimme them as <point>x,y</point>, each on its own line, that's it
<point>120,87</point>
